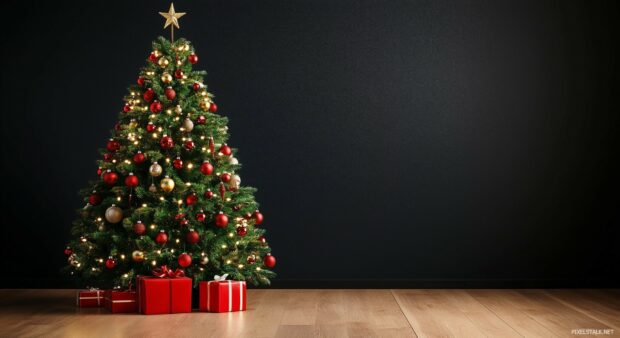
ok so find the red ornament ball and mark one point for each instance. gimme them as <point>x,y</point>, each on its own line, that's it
<point>251,259</point>
<point>156,107</point>
<point>108,157</point>
<point>68,251</point>
<point>131,180</point>
<point>196,86</point>
<point>139,158</point>
<point>206,168</point>
<point>148,95</point>
<point>191,199</point>
<point>113,146</point>
<point>208,194</point>
<point>225,177</point>
<point>150,127</point>
<point>139,228</point>
<point>258,217</point>
<point>201,119</point>
<point>189,144</point>
<point>110,263</point>
<point>242,231</point>
<point>161,237</point>
<point>225,150</point>
<point>192,237</point>
<point>183,222</point>
<point>179,216</point>
<point>140,81</point>
<point>269,261</point>
<point>99,171</point>
<point>153,57</point>
<point>110,177</point>
<point>262,239</point>
<point>166,142</point>
<point>178,74</point>
<point>201,216</point>
<point>126,108</point>
<point>213,107</point>
<point>170,93</point>
<point>192,58</point>
<point>221,220</point>
<point>185,260</point>
<point>94,199</point>
<point>177,163</point>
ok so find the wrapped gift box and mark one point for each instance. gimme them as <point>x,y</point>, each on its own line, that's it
<point>164,295</point>
<point>222,296</point>
<point>120,301</point>
<point>90,298</point>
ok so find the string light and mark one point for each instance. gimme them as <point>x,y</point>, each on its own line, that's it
<point>189,166</point>
<point>228,261</point>
<point>159,252</point>
<point>171,250</point>
<point>224,246</point>
<point>99,219</point>
<point>161,198</point>
<point>154,262</point>
<point>125,275</point>
<point>189,184</point>
<point>240,266</point>
<point>230,234</point>
<point>118,198</point>
<point>144,205</point>
<point>178,240</point>
<point>154,135</point>
<point>257,268</point>
<point>153,226</point>
<point>122,256</point>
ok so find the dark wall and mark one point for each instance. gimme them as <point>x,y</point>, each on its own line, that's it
<point>392,142</point>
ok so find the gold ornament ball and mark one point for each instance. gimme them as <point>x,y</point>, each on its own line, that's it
<point>157,53</point>
<point>235,182</point>
<point>155,169</point>
<point>153,188</point>
<point>163,62</point>
<point>166,78</point>
<point>204,260</point>
<point>137,256</point>
<point>233,160</point>
<point>188,125</point>
<point>167,184</point>
<point>133,123</point>
<point>178,109</point>
<point>205,104</point>
<point>114,214</point>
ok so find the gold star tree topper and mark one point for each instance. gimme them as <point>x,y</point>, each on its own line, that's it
<point>172,18</point>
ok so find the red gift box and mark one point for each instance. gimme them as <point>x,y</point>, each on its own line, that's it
<point>120,301</point>
<point>164,294</point>
<point>221,295</point>
<point>89,298</point>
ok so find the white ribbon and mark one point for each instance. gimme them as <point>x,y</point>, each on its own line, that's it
<point>219,278</point>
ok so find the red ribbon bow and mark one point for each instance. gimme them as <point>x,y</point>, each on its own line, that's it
<point>164,272</point>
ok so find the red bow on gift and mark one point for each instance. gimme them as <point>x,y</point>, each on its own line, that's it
<point>164,272</point>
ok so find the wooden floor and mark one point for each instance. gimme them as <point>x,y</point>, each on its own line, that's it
<point>332,313</point>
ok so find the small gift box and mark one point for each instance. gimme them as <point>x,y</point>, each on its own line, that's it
<point>92,297</point>
<point>120,301</point>
<point>221,295</point>
<point>167,291</point>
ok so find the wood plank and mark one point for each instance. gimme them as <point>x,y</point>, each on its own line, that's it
<point>437,313</point>
<point>554,315</point>
<point>598,305</point>
<point>511,310</point>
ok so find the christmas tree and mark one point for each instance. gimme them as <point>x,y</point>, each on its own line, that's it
<point>168,191</point>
